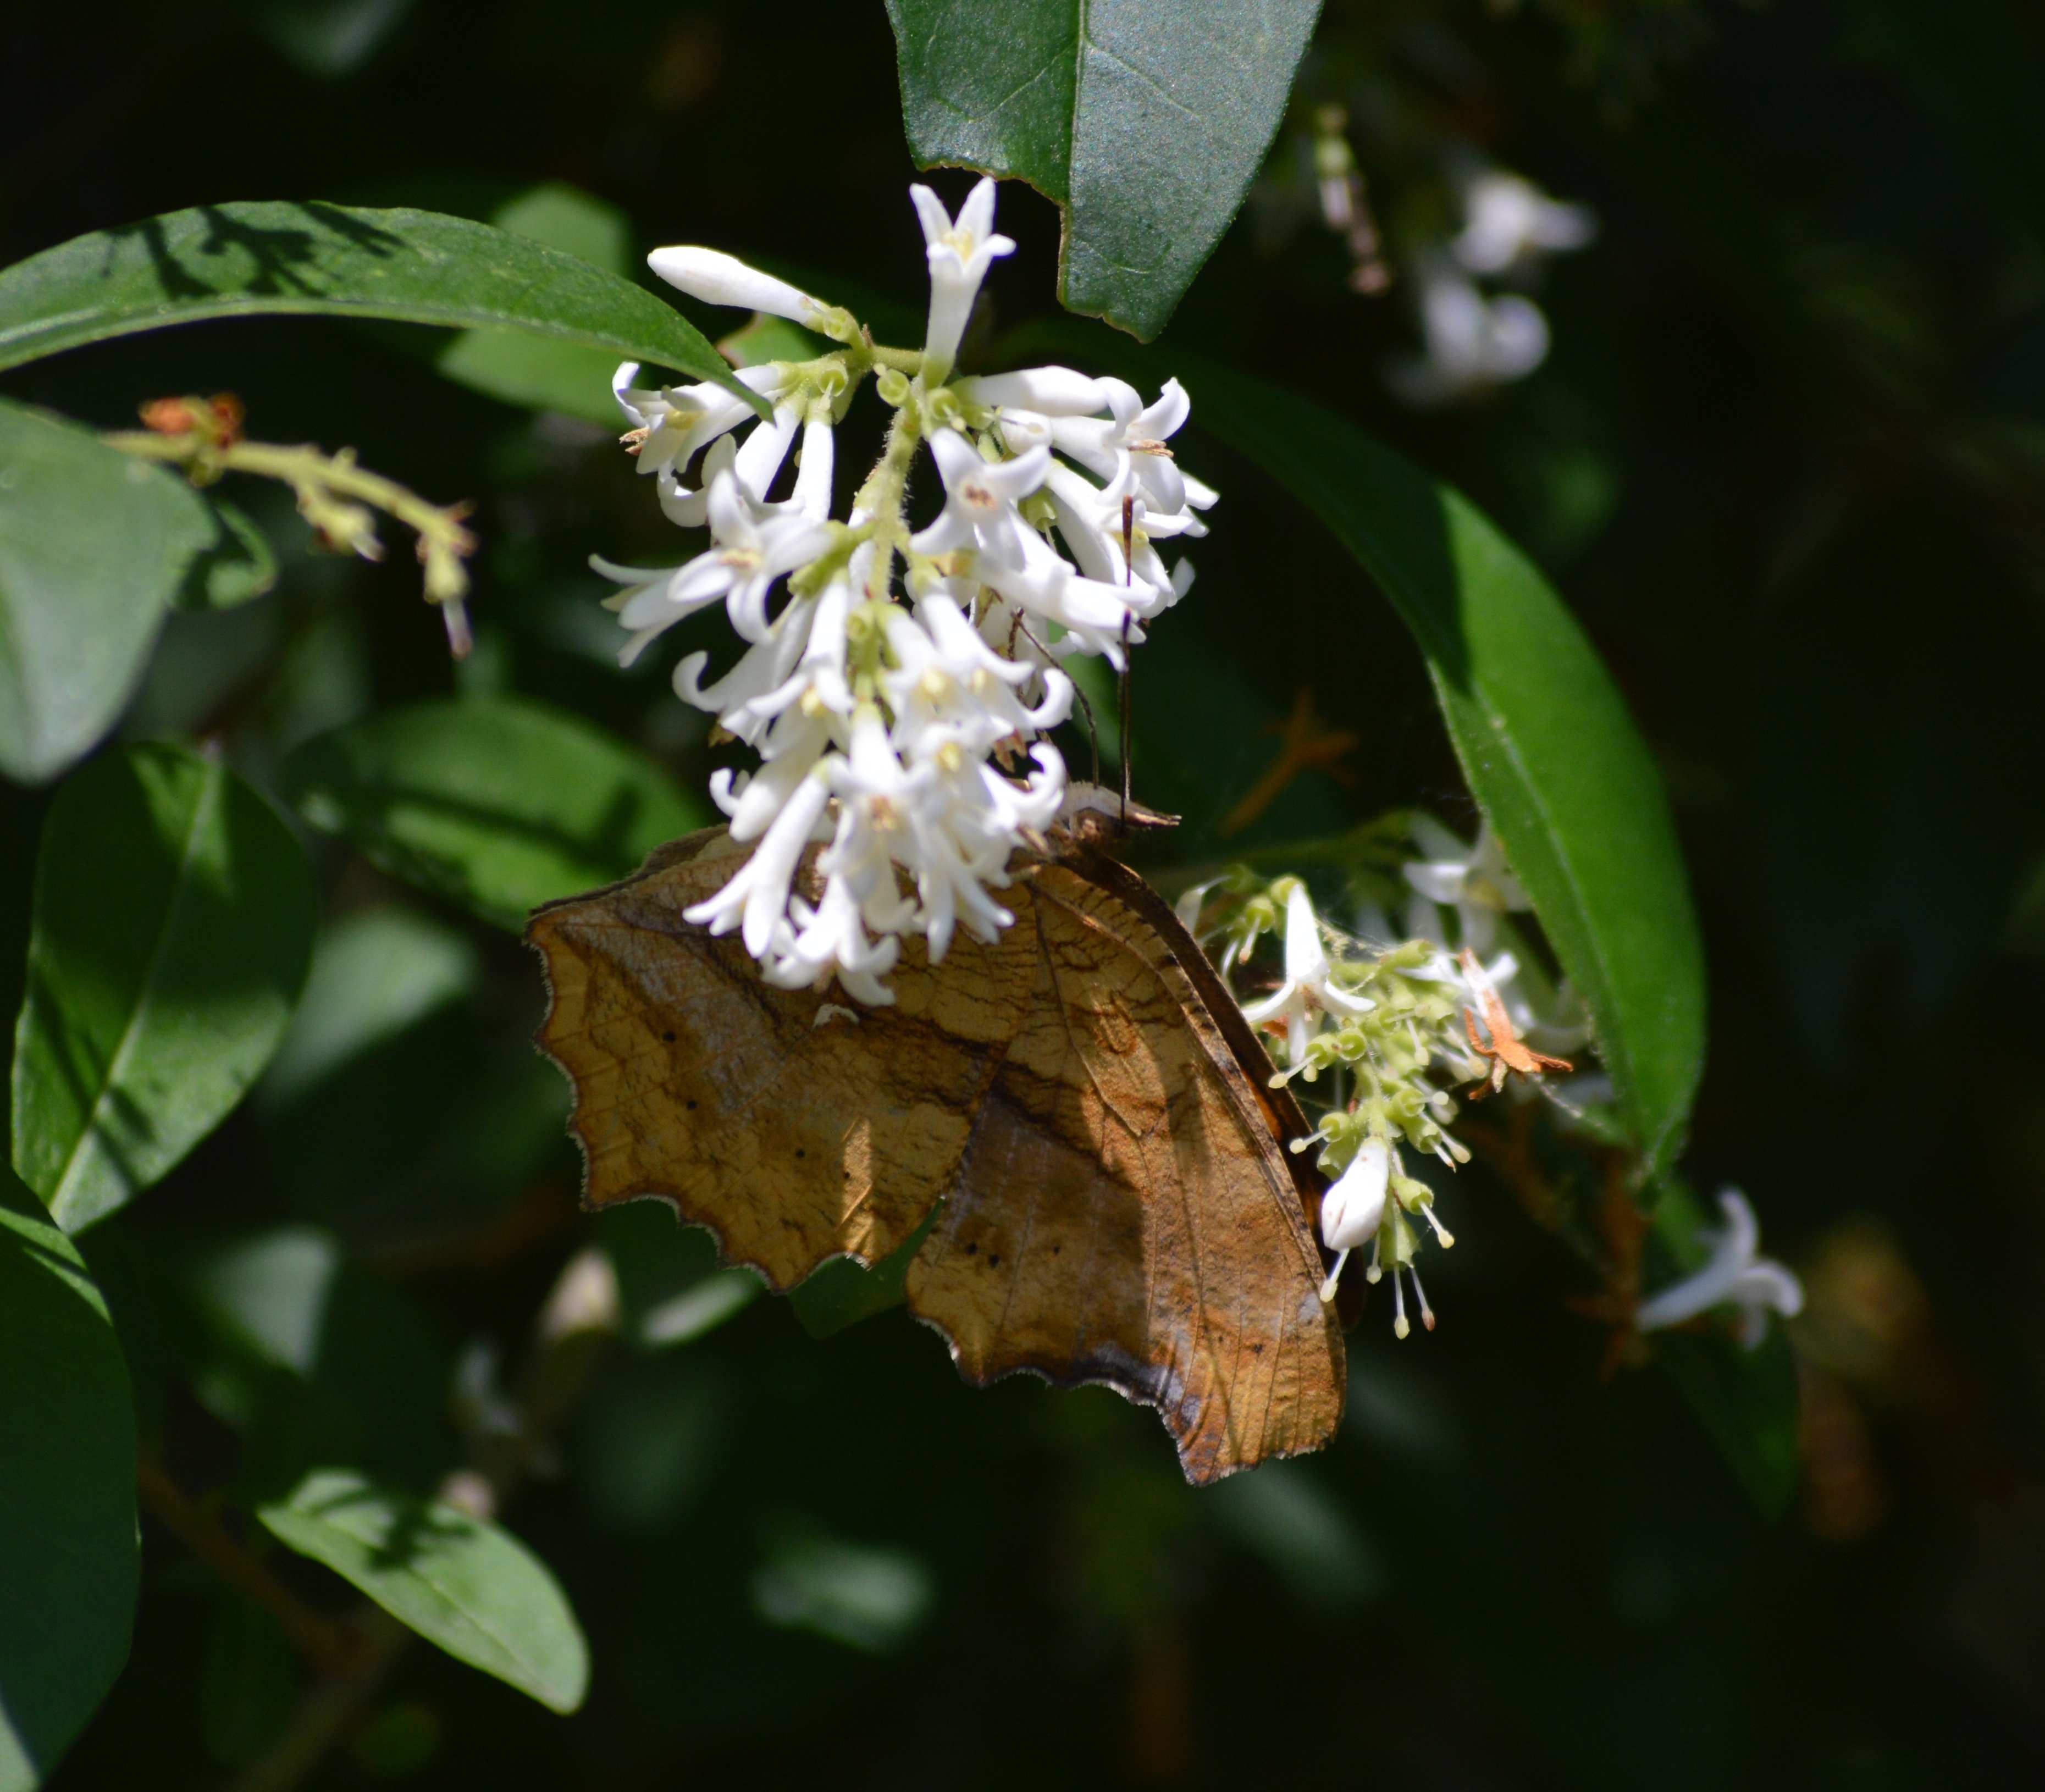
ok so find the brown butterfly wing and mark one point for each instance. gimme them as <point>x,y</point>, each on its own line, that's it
<point>1126,1211</point>
<point>697,1081</point>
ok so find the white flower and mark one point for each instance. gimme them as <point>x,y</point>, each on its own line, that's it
<point>960,252</point>
<point>1473,342</point>
<point>947,677</point>
<point>679,421</point>
<point>1307,992</point>
<point>1351,1209</point>
<point>1509,220</point>
<point>1734,1276</point>
<point>1473,880</point>
<point>751,552</point>
<point>718,279</point>
<point>980,497</point>
<point>756,900</point>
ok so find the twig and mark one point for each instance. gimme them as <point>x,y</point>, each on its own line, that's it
<point>325,1644</point>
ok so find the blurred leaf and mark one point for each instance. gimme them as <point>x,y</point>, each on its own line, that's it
<point>495,804</point>
<point>93,545</point>
<point>310,1357</point>
<point>1145,120</point>
<point>1542,733</point>
<point>235,568</point>
<point>864,1597</point>
<point>374,974</point>
<point>650,1437</point>
<point>471,1589</point>
<point>1285,1514</point>
<point>173,920</point>
<point>328,38</point>
<point>251,258</point>
<point>68,1537</point>
<point>770,339</point>
<point>542,372</point>
<point>668,1281</point>
<point>843,1291</point>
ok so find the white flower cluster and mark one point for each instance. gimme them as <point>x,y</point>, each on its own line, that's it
<point>904,731</point>
<point>1394,1028</point>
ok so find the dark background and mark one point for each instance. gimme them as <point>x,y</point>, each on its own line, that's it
<point>1787,462</point>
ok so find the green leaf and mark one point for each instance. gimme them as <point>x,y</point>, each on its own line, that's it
<point>496,803</point>
<point>252,258</point>
<point>93,544</point>
<point>1144,120</point>
<point>68,1548</point>
<point>468,1586</point>
<point>172,924</point>
<point>844,1291</point>
<point>234,568</point>
<point>1541,732</point>
<point>542,373</point>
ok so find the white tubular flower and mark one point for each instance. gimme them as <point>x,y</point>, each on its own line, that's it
<point>718,279</point>
<point>1097,617</point>
<point>760,458</point>
<point>1736,1276</point>
<point>818,464</point>
<point>1307,992</point>
<point>756,900</point>
<point>1473,342</point>
<point>980,497</point>
<point>1508,220</point>
<point>946,677</point>
<point>1039,392</point>
<point>672,425</point>
<point>751,552</point>
<point>960,252</point>
<point>1134,438</point>
<point>1353,1207</point>
<point>1473,880</point>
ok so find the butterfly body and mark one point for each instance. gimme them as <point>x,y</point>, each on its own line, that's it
<point>1079,1099</point>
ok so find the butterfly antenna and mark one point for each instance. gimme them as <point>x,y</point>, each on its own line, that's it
<point>1086,708</point>
<point>1128,577</point>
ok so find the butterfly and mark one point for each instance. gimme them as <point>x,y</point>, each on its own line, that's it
<point>1081,1102</point>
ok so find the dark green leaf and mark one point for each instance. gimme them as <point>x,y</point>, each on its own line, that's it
<point>469,1587</point>
<point>67,1540</point>
<point>1541,732</point>
<point>1145,120</point>
<point>263,257</point>
<point>93,545</point>
<point>235,566</point>
<point>668,1282</point>
<point>844,1291</point>
<point>546,373</point>
<point>172,924</point>
<point>494,803</point>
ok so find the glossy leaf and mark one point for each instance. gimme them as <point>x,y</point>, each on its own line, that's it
<point>1144,120</point>
<point>468,1586</point>
<point>497,803</point>
<point>68,1554</point>
<point>251,258</point>
<point>172,923</point>
<point>93,545</point>
<point>546,373</point>
<point>1541,732</point>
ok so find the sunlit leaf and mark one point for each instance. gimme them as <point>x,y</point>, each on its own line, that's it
<point>173,920</point>
<point>67,1539</point>
<point>251,258</point>
<point>1541,732</point>
<point>496,803</point>
<point>466,1586</point>
<point>93,545</point>
<point>544,372</point>
<point>1145,120</point>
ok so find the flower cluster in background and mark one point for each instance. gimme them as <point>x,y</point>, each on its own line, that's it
<point>898,680</point>
<point>1379,1030</point>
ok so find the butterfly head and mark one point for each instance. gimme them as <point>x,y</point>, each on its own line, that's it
<point>1093,816</point>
